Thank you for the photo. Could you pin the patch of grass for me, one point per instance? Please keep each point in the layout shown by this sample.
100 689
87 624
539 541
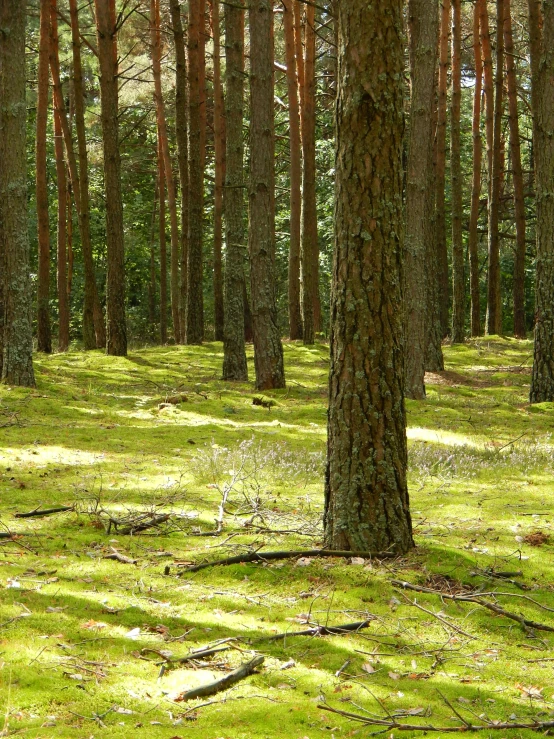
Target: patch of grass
75 627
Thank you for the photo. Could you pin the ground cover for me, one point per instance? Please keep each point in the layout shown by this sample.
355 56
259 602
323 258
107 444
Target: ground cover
82 635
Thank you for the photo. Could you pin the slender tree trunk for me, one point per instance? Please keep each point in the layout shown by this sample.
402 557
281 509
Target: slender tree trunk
517 177
309 258
542 68
69 220
94 327
152 285
488 85
442 252
63 300
155 41
17 364
493 323
219 147
366 494
195 298
295 316
44 334
473 238
458 280
268 350
181 131
423 26
202 35
163 247
115 283
234 354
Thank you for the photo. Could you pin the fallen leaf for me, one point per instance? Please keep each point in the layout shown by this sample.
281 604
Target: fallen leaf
368 667
394 676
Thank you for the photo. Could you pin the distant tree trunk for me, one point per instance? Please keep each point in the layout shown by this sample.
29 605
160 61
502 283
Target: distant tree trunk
115 283
155 42
219 147
488 85
268 350
517 177
94 328
181 131
44 334
542 68
17 364
473 238
442 253
309 258
423 19
152 285
494 305
202 35
458 280
63 298
295 315
70 255
195 304
366 495
234 355
163 248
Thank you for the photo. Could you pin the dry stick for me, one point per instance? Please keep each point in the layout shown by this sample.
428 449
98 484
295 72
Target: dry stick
525 623
393 724
10 534
320 631
37 513
266 556
223 683
119 557
151 523
443 621
192 656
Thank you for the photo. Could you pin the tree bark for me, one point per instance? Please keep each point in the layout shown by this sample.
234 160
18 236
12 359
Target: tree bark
234 354
309 253
458 280
423 18
152 285
219 147
195 299
493 324
70 255
442 252
163 248
94 327
17 363
542 66
181 131
115 283
488 85
473 238
517 178
366 496
155 42
44 333
295 315
63 298
268 350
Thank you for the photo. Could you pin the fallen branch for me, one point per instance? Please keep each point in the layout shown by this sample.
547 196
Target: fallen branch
267 556
320 631
149 523
10 534
245 670
114 554
38 513
390 722
193 655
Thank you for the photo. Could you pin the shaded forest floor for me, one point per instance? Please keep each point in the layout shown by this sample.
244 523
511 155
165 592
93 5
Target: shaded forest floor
82 636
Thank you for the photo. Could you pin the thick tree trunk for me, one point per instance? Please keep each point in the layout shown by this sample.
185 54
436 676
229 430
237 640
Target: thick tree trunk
44 334
163 248
63 297
295 315
234 355
155 42
458 280
517 178
195 299
542 66
423 18
219 147
94 327
115 283
268 350
17 363
442 252
309 254
366 495
473 238
493 323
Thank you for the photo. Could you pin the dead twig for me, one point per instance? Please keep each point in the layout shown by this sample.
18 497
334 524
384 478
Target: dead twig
114 554
245 670
320 631
40 513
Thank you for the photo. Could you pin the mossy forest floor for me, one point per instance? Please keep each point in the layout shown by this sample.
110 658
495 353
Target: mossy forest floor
82 636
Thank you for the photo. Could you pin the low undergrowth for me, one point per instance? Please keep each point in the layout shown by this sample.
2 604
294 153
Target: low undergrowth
92 618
